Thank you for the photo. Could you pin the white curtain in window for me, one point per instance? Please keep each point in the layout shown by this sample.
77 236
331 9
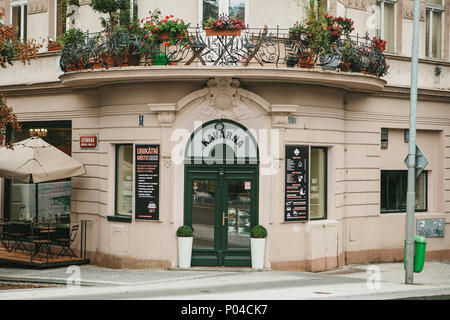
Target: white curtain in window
437 35
389 26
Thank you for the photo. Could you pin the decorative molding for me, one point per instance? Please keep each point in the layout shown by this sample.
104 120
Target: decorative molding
224 99
166 118
279 119
37 6
84 2
357 4
408 10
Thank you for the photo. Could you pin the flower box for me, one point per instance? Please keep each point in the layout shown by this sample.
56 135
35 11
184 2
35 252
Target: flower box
54 46
212 32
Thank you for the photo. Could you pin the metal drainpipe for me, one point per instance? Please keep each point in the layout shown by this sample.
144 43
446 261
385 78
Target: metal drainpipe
411 195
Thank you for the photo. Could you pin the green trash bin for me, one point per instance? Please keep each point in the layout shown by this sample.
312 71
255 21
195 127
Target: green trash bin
420 244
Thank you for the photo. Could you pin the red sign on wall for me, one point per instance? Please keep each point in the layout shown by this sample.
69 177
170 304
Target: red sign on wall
89 142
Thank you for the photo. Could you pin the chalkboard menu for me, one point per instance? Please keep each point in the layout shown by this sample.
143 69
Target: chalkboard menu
147 182
296 187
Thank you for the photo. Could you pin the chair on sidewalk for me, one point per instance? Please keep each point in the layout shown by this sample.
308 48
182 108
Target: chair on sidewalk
66 242
41 240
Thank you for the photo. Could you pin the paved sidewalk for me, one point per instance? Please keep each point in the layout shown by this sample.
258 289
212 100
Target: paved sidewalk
351 282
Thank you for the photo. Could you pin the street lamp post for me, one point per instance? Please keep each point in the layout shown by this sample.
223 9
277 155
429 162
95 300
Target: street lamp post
411 163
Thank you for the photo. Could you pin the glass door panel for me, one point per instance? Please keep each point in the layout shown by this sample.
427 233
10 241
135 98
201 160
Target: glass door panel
203 211
239 213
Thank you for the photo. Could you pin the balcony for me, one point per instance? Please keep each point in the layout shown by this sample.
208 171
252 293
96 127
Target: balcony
252 54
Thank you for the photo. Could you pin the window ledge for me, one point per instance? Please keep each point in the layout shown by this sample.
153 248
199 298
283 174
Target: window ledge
120 219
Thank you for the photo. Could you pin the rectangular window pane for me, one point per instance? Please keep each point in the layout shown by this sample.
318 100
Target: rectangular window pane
389 26
437 35
378 27
237 9
25 16
60 21
16 19
318 180
427 33
210 9
124 179
394 186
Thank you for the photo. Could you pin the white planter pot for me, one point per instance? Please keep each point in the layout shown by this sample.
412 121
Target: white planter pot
258 246
184 251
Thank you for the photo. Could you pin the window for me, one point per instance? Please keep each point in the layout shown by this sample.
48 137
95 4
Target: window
318 183
387 23
384 138
394 186
18 13
434 28
60 21
54 196
236 9
124 179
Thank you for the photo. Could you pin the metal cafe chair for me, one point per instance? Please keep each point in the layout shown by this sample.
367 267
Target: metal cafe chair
66 242
40 238
17 233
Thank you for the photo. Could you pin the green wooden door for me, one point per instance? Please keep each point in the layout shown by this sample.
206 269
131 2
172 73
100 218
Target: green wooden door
221 205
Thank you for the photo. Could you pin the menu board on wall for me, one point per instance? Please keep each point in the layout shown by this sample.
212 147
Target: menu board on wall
296 185
147 182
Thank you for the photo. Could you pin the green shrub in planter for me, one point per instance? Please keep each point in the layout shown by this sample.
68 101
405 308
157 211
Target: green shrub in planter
185 231
258 231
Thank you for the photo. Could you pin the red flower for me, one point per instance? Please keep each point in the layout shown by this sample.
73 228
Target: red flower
167 17
166 43
146 36
187 46
155 28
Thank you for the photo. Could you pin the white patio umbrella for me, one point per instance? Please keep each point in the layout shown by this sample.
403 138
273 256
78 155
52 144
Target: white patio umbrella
33 160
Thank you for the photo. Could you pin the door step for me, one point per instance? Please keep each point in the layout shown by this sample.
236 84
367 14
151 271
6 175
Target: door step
222 269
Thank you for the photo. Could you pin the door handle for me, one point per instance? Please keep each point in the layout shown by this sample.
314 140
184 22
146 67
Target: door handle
225 217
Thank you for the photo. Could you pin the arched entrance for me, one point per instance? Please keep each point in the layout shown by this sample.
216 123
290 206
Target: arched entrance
221 192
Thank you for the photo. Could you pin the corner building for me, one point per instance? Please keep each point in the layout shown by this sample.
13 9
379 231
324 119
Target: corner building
225 147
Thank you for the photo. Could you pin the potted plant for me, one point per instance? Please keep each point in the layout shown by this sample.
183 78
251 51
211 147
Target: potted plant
376 62
291 60
351 57
185 236
72 42
258 236
223 26
299 32
329 55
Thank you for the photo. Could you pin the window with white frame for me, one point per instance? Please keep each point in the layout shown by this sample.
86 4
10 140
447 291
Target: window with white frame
236 9
387 23
434 28
18 17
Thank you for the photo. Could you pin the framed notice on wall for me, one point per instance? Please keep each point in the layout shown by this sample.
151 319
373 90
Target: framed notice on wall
147 182
296 184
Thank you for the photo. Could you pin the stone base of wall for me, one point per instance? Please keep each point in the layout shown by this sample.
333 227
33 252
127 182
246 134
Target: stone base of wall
353 257
118 262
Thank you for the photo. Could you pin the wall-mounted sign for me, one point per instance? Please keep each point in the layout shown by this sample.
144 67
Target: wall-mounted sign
147 182
430 227
89 142
296 185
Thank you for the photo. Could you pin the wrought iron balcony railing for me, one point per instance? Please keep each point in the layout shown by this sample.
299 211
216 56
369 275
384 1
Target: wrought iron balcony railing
261 47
